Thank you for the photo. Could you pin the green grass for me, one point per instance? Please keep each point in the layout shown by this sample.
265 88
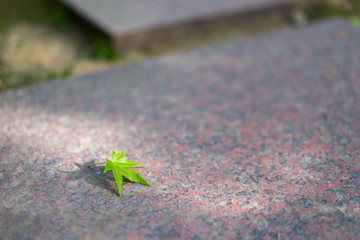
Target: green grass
52 15
100 49
323 10
31 11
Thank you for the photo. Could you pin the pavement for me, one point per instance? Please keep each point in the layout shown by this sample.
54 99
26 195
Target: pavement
143 24
254 139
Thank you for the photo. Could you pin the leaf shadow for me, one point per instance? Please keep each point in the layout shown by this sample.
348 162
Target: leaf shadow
95 176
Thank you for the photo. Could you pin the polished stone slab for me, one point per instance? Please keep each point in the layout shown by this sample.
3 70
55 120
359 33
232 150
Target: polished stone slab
122 16
144 24
251 139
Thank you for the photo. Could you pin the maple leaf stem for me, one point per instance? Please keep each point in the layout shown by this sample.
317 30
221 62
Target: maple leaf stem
95 164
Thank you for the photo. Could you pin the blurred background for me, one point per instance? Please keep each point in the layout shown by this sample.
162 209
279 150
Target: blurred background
42 40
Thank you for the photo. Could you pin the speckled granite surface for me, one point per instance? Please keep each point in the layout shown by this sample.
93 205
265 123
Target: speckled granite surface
120 17
257 139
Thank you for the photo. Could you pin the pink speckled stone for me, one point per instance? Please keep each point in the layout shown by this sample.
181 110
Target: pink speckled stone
256 139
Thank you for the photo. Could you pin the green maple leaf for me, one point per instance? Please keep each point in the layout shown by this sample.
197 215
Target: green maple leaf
122 166
354 20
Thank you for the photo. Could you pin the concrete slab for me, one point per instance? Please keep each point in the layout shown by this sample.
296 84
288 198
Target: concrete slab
121 16
252 139
135 23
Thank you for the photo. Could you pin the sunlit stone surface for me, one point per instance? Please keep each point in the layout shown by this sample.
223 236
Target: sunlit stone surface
252 139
